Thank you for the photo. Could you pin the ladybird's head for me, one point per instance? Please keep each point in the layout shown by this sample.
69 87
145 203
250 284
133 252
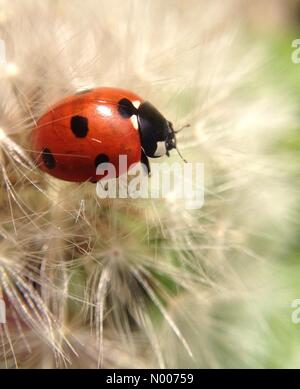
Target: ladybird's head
157 133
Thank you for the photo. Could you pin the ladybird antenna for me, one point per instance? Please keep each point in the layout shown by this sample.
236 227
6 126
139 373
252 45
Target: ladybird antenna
182 128
180 155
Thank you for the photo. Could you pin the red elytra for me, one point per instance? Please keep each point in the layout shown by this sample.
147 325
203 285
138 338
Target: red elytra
83 130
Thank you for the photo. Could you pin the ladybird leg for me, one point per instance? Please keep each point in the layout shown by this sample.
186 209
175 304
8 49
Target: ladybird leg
145 162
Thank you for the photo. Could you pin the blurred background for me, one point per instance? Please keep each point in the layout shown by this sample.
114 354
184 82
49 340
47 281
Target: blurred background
277 24
150 284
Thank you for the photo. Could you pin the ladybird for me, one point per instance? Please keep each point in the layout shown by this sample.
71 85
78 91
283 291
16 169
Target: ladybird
97 126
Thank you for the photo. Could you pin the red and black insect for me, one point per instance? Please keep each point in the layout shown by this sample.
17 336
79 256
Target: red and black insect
96 126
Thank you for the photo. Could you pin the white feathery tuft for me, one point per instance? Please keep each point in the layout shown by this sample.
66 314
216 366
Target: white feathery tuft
133 283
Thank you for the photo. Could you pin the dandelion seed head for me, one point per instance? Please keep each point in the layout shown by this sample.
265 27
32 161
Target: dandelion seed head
11 69
92 282
2 134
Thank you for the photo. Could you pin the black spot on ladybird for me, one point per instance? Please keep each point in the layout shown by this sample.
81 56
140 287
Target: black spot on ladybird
48 159
126 108
101 158
79 126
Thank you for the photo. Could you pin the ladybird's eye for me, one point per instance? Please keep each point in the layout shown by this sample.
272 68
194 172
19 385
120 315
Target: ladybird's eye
126 108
